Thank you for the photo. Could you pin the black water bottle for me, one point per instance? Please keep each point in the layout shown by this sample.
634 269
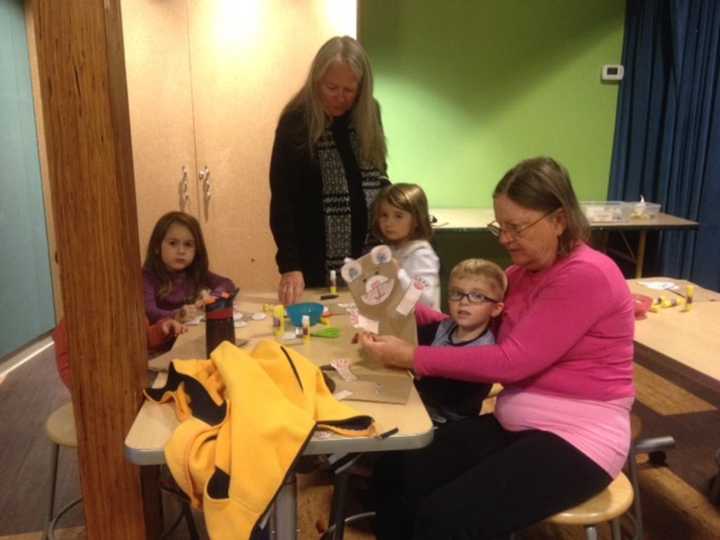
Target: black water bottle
219 324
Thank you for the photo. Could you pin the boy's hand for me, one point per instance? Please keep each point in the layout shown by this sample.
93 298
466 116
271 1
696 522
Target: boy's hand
391 351
171 326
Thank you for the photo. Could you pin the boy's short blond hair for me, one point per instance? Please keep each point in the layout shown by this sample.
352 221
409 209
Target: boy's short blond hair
481 268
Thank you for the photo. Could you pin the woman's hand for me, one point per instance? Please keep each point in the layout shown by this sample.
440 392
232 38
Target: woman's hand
291 288
390 350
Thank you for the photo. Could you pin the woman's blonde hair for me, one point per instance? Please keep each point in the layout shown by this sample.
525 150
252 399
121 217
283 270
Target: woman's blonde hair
482 268
408 197
543 184
365 115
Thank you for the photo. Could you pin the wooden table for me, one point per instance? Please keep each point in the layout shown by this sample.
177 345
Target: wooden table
690 339
476 219
155 423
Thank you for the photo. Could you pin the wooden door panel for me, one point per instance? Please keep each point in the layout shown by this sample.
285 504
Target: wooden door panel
161 111
247 59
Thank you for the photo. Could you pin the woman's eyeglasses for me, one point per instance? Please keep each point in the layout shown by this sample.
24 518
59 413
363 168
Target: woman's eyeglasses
454 295
514 231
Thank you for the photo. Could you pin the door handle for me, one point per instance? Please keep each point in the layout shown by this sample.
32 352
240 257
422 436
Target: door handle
206 186
183 188
204 176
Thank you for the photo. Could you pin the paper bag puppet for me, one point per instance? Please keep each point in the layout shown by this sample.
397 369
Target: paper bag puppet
385 306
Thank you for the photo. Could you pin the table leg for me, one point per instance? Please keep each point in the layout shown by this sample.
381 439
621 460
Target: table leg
640 254
284 518
152 500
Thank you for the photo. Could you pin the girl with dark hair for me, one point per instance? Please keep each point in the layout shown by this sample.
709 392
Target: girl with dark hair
175 273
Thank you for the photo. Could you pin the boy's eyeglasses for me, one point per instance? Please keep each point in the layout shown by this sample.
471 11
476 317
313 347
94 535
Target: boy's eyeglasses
473 297
514 231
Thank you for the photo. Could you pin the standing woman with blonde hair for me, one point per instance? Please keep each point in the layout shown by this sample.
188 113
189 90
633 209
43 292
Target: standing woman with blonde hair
328 165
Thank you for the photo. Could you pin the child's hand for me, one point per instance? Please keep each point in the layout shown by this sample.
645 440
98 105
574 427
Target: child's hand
205 297
389 350
171 326
189 312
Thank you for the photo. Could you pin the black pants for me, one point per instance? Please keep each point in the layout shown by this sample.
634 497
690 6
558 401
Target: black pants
477 481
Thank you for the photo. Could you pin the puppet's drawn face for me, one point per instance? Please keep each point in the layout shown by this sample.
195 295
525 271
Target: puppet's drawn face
372 277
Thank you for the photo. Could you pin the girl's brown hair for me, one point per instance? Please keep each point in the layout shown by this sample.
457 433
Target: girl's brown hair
408 197
197 271
543 184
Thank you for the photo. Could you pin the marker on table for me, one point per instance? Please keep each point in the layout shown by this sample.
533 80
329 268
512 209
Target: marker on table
388 433
333 282
689 293
306 328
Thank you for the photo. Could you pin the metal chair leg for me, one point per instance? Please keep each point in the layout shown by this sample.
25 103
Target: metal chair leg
637 506
53 484
651 446
187 513
591 532
615 525
338 504
61 513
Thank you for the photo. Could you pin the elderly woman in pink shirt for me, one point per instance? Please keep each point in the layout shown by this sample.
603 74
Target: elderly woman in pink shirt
561 428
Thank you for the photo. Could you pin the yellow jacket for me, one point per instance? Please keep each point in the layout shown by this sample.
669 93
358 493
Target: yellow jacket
245 419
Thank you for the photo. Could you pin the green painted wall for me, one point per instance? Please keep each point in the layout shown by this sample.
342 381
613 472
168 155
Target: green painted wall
468 88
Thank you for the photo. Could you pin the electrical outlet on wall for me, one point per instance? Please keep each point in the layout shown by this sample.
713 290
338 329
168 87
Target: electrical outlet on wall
612 72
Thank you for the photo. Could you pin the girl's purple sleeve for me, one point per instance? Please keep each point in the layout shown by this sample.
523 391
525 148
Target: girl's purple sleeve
152 310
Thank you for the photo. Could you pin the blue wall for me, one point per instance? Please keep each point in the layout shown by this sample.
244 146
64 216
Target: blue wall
26 301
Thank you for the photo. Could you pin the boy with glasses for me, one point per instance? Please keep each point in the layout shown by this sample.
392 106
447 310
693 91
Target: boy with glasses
475 298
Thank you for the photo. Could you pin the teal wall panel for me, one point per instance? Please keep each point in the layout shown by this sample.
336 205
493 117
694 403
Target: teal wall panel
25 282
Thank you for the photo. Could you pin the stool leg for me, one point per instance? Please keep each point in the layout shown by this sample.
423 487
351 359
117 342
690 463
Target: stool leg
637 505
615 524
284 516
53 482
591 532
189 521
338 504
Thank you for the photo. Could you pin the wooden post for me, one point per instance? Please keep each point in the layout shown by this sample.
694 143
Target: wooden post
83 89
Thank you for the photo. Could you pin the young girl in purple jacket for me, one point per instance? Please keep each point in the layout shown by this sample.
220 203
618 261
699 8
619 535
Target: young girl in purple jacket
175 273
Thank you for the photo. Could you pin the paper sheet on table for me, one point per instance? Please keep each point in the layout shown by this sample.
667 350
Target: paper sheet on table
383 387
660 285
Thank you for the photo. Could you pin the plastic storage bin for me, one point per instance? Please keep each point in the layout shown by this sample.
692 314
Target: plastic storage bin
605 211
642 210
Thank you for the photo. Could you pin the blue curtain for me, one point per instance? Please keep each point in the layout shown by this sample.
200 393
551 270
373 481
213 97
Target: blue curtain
667 135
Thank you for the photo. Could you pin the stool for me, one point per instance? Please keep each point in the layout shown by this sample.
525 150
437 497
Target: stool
655 448
60 428
608 505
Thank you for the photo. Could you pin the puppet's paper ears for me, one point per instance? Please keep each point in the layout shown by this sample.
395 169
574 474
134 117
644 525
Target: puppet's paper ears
352 269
